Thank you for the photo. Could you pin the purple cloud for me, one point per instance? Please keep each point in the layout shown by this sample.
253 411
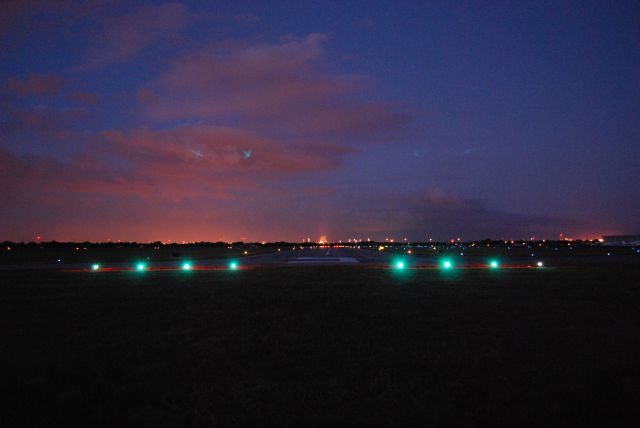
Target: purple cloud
35 84
279 87
125 36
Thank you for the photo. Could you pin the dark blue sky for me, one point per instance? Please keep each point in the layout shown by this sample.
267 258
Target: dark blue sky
195 121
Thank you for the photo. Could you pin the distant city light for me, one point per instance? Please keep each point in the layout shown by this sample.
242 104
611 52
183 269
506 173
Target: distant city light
246 252
539 264
95 266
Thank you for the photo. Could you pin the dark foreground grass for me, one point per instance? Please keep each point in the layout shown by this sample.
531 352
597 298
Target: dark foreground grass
321 346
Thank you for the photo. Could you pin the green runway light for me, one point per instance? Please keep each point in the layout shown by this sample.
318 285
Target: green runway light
95 266
186 266
233 266
140 267
447 264
399 265
494 264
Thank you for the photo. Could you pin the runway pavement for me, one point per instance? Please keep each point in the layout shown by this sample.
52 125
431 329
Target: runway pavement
349 256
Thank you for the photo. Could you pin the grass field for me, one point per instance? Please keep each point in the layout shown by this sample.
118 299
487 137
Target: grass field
320 346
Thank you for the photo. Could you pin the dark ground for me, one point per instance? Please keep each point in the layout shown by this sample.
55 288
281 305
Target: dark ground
322 345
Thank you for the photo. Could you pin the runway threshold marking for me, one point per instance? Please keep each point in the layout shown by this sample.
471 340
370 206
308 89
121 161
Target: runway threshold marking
322 260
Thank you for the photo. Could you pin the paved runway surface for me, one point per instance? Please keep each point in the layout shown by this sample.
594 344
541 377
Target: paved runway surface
299 256
362 257
366 257
319 256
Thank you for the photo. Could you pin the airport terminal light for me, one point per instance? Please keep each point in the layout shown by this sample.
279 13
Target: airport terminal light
186 266
95 266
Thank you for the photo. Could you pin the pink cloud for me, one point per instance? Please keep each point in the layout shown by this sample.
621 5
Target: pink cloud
276 87
165 197
218 148
13 10
436 197
28 125
35 84
173 164
126 35
85 97
319 191
146 96
187 178
56 125
231 78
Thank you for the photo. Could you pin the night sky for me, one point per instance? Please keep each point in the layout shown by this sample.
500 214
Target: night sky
256 120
